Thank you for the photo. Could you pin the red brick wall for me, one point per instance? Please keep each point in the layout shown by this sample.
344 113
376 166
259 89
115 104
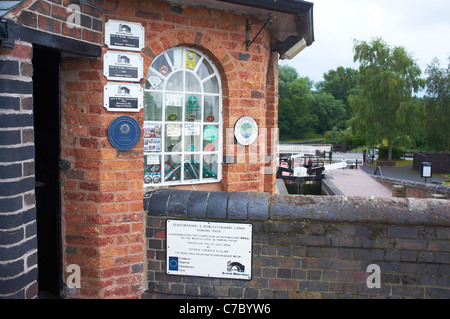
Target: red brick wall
311 247
52 16
247 90
102 191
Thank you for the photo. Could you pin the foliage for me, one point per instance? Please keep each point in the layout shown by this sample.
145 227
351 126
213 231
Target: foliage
383 152
329 111
304 112
382 105
338 136
437 107
339 83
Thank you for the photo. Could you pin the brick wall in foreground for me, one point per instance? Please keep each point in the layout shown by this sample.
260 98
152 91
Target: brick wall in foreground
312 247
18 240
415 189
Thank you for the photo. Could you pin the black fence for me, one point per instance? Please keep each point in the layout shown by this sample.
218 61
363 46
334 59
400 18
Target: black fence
440 161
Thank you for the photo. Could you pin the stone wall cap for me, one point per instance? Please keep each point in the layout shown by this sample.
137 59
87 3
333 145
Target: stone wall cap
263 206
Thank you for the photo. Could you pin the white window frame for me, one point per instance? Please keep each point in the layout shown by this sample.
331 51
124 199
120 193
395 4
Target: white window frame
202 123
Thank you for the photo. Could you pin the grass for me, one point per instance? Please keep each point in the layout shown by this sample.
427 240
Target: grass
398 163
447 182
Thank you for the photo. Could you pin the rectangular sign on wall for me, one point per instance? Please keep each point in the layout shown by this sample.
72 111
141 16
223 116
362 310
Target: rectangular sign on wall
124 35
209 249
120 66
122 97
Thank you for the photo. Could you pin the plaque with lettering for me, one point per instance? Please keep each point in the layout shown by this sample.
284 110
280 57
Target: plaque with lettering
120 66
123 97
124 35
124 133
209 249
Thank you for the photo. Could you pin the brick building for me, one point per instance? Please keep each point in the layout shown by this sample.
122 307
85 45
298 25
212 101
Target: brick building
67 194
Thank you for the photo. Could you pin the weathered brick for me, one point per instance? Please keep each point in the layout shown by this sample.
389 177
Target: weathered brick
411 244
407 291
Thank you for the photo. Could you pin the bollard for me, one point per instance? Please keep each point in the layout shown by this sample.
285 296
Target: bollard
398 191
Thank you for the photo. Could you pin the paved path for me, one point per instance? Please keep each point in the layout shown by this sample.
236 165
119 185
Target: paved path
403 172
355 182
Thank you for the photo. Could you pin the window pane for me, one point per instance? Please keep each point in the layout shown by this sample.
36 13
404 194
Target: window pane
191 59
192 138
193 107
192 167
175 82
152 144
172 168
173 138
174 107
154 81
210 166
152 169
161 65
176 57
152 138
205 69
211 86
153 106
211 109
210 138
152 130
192 84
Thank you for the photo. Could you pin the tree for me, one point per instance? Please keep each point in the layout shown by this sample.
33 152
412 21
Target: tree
286 74
387 77
329 111
437 106
294 117
302 111
339 83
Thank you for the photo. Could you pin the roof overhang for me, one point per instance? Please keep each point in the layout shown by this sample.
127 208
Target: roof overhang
292 20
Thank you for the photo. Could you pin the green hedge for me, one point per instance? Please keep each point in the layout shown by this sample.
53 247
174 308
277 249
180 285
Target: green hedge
383 152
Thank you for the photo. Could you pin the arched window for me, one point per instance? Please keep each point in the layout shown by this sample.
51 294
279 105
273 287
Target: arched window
183 119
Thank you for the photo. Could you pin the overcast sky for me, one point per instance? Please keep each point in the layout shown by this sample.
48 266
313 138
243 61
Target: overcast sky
422 27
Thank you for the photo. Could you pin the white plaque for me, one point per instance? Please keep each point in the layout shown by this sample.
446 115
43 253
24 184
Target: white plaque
124 35
123 97
209 249
121 66
246 130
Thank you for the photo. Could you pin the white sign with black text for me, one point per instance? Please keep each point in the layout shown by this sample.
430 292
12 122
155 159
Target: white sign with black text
121 66
123 97
209 249
124 35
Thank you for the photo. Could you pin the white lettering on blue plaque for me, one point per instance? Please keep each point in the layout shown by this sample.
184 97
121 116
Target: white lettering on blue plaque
124 133
124 35
123 97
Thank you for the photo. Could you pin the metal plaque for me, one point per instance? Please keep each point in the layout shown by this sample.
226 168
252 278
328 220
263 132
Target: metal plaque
124 35
124 133
246 130
209 249
123 97
120 66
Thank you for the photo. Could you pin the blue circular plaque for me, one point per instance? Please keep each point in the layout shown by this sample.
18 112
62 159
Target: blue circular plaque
124 133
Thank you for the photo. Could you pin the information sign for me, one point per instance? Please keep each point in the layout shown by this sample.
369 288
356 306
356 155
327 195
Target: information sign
122 97
124 35
120 66
209 249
